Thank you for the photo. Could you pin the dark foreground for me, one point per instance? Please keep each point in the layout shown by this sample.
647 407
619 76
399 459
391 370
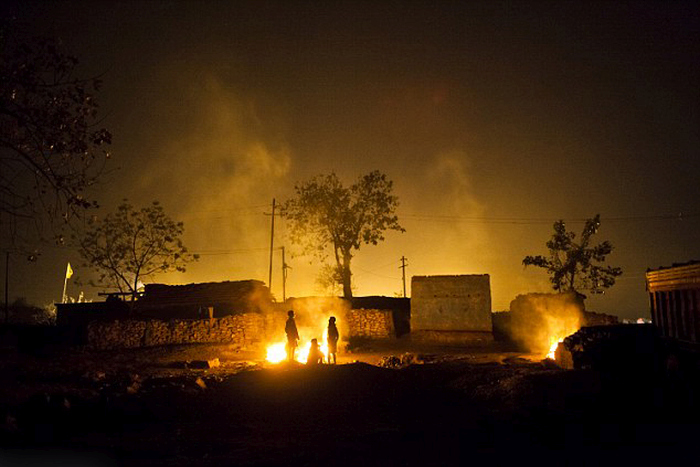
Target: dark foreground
450 411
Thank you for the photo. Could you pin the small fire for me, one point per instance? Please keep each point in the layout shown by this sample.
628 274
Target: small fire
553 348
277 352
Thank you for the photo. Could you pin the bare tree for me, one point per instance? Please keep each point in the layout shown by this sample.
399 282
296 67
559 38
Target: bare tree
129 246
51 145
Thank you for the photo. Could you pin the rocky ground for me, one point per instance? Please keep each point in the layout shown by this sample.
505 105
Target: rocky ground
379 406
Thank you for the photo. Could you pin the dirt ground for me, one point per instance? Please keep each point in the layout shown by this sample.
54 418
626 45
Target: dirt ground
442 406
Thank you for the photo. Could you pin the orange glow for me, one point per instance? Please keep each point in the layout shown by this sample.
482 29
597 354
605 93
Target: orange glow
277 352
559 329
553 348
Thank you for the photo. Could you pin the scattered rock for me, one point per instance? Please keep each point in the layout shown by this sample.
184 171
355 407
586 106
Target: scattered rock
204 364
393 361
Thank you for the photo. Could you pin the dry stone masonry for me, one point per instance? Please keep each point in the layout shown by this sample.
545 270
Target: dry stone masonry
242 331
372 324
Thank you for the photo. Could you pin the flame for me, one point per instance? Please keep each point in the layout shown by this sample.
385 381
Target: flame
557 329
553 348
277 352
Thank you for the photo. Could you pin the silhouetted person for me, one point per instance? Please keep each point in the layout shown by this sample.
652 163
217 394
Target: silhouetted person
333 337
290 328
315 355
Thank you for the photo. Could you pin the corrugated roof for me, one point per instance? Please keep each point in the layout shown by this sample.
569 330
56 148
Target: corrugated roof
677 277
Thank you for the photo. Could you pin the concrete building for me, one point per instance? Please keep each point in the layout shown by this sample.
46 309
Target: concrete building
674 299
451 309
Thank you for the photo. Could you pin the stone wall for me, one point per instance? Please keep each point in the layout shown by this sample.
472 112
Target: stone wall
370 324
242 331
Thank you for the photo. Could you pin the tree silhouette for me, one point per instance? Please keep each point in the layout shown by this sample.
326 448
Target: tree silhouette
573 266
51 145
325 215
129 246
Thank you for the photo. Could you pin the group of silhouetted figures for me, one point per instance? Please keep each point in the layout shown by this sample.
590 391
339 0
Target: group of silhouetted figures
316 356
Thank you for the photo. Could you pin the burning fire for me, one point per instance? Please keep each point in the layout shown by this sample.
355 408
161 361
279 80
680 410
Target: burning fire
557 329
277 352
553 348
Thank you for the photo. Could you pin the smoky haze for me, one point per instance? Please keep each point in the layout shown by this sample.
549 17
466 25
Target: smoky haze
493 121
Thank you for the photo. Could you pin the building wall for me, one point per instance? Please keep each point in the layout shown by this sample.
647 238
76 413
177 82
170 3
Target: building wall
451 303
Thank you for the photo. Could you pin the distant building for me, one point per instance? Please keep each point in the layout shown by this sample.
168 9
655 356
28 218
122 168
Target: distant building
451 309
674 299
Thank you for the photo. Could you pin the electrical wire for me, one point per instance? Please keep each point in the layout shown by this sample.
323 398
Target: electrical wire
534 221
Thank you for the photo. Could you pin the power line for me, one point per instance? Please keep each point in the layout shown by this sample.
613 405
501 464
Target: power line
255 207
533 221
229 252
374 274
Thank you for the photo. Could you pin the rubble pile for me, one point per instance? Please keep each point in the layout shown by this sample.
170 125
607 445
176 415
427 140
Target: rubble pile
615 348
399 361
591 318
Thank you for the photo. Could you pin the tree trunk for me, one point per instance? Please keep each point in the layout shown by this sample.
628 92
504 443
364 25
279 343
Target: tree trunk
347 275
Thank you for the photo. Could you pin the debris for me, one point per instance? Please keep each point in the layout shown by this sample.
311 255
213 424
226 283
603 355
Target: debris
200 382
95 376
396 362
204 364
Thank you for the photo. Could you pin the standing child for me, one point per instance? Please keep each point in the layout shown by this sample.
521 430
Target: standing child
290 328
333 337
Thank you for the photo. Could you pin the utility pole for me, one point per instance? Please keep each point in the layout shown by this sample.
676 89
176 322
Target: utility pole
272 244
7 285
285 266
403 274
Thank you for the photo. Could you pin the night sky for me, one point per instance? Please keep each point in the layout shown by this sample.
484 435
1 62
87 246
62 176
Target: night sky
493 119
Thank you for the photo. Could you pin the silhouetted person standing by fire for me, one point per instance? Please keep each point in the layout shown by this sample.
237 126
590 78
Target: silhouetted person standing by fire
290 328
315 355
333 337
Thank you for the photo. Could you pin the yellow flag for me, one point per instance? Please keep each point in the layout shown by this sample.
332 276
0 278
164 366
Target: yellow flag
69 271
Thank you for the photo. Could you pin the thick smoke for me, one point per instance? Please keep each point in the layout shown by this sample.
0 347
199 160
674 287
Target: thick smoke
539 320
216 168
